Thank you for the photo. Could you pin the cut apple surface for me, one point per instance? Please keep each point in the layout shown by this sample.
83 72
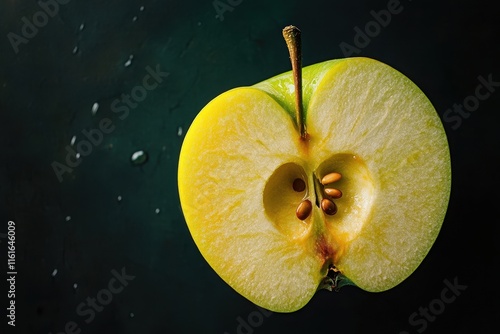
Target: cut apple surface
364 194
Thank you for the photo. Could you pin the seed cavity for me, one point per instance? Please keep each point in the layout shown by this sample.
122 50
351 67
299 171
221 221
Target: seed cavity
331 178
325 195
328 207
333 192
304 209
299 185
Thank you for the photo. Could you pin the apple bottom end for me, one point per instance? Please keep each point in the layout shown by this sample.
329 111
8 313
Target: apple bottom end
334 281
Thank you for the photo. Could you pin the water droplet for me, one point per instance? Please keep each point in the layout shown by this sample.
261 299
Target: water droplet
141 8
199 24
75 286
157 211
119 198
179 131
129 61
77 155
75 50
139 157
54 273
95 107
68 218
134 19
73 140
82 26
132 315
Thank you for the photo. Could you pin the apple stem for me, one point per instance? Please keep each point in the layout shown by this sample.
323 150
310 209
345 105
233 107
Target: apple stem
294 44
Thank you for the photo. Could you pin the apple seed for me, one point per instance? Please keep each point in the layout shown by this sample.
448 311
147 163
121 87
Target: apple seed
330 178
304 209
328 207
333 192
299 185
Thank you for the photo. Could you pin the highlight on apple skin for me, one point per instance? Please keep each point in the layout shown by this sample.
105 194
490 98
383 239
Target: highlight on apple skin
336 173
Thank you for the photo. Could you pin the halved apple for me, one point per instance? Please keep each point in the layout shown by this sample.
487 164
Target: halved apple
361 194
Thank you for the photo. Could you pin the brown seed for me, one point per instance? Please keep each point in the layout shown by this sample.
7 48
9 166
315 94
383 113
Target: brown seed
299 185
328 207
304 209
330 178
333 192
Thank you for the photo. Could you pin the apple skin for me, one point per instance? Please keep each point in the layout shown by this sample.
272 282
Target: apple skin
281 87
279 266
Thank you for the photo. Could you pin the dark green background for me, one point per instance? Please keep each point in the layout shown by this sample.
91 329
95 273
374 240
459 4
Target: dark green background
46 96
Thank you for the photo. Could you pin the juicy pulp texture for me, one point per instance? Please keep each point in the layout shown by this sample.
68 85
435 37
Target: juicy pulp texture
366 121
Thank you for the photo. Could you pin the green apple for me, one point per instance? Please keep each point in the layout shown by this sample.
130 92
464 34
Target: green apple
331 174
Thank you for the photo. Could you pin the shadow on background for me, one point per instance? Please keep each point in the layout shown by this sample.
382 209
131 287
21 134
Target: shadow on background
101 243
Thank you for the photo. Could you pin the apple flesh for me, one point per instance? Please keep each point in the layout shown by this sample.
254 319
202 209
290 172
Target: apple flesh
242 156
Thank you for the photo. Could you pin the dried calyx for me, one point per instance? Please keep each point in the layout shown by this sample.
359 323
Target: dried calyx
334 280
